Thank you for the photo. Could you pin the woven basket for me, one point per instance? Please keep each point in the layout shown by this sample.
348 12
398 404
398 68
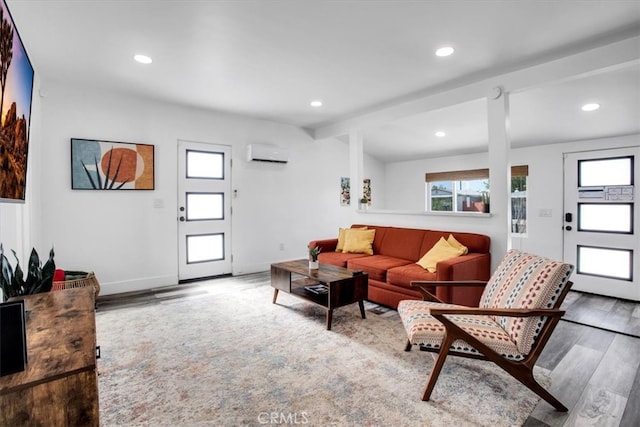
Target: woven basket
90 280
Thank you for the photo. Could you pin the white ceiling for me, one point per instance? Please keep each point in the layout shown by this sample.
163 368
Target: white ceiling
269 59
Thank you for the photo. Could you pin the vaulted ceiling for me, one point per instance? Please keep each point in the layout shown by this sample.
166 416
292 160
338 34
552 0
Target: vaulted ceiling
270 59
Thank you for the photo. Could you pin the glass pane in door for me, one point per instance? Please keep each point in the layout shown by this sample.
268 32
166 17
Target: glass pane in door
605 262
599 172
605 217
205 247
205 206
205 164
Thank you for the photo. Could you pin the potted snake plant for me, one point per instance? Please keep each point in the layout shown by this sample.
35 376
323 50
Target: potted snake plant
313 257
39 277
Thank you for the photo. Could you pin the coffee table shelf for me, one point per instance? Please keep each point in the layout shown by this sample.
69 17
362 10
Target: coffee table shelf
344 286
298 287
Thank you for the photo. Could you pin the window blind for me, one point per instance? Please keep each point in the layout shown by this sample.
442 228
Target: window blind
466 175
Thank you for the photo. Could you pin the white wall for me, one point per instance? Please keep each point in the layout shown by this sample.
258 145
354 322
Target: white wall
404 186
544 191
406 180
130 244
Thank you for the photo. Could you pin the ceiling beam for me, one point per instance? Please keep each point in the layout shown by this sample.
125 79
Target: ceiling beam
587 62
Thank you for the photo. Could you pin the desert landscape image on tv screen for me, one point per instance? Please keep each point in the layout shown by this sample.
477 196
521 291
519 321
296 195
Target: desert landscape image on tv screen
16 86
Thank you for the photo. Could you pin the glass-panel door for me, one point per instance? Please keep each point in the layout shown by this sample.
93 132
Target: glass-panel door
601 217
204 230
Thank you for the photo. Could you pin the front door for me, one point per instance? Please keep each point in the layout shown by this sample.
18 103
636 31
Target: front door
204 210
601 220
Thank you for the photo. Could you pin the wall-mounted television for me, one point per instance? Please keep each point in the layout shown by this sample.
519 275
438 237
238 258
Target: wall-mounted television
16 88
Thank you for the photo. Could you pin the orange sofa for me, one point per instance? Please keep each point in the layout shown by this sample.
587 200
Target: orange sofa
393 266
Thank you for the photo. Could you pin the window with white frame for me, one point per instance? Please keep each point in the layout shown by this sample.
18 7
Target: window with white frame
469 191
458 191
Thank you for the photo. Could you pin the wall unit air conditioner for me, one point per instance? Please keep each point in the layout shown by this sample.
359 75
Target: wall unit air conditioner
267 153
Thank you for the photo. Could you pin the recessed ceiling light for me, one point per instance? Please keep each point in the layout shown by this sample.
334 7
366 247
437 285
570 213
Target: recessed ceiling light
143 59
445 51
440 134
316 103
590 107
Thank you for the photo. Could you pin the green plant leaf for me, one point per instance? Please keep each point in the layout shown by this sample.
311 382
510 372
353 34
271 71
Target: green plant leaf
48 270
18 284
34 273
6 275
34 262
39 279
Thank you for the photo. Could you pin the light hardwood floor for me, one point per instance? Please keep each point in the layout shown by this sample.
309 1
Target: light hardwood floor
594 359
594 369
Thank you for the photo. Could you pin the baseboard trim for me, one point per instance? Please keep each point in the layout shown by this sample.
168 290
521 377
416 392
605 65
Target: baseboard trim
137 285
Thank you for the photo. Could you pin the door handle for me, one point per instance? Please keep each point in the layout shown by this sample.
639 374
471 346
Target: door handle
181 218
568 228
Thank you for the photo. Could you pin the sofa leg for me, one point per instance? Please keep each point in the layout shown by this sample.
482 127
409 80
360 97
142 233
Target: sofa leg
408 346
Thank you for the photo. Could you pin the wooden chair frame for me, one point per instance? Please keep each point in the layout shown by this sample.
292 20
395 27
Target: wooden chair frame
521 370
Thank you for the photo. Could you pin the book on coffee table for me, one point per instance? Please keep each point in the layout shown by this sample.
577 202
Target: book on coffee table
319 289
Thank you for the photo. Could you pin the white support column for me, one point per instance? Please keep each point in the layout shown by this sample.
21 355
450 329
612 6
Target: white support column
499 172
356 166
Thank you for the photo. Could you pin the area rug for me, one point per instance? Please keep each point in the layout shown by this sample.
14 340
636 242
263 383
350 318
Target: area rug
231 357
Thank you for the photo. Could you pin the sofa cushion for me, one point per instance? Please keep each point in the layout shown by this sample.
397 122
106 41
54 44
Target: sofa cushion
404 243
358 241
439 252
338 259
376 266
426 331
403 275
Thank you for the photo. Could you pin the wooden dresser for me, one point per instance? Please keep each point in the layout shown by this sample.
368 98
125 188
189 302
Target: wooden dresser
60 385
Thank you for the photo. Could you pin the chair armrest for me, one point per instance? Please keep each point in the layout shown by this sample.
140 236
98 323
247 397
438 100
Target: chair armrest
507 312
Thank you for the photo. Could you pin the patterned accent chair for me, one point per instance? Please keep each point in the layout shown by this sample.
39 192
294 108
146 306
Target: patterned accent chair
518 311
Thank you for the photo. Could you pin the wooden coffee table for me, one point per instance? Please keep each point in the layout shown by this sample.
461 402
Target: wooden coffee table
344 286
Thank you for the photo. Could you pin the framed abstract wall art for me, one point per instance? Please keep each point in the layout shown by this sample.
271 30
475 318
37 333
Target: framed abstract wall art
345 191
107 165
366 190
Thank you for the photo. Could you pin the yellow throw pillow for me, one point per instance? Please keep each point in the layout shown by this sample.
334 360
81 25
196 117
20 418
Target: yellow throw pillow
358 241
341 237
439 252
340 244
453 242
